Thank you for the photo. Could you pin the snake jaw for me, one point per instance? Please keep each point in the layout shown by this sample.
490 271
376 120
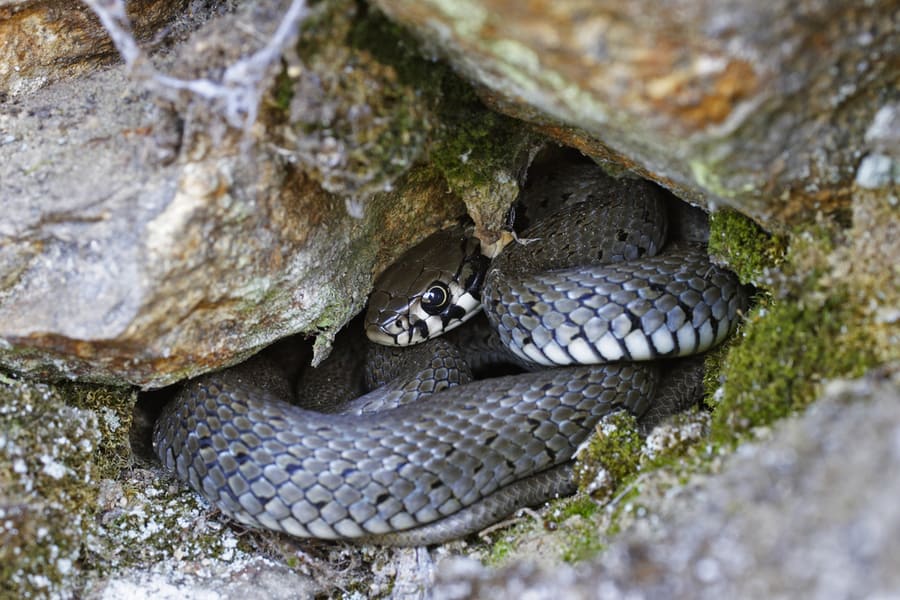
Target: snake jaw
386 332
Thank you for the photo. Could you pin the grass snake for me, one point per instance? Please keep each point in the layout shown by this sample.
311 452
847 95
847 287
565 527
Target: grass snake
594 290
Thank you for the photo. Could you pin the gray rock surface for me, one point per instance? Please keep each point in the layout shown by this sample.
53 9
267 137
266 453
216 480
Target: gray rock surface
150 234
809 511
121 267
736 103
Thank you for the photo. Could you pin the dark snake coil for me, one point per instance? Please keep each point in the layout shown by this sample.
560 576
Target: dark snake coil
467 456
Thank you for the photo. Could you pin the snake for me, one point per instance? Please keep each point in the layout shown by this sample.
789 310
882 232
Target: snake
589 300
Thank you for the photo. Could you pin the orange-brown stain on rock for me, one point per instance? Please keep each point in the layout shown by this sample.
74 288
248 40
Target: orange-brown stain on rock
701 99
301 206
420 203
800 206
48 40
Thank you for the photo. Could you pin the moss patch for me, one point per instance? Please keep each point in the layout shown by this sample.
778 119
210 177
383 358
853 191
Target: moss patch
582 525
825 308
371 105
807 329
471 146
352 120
610 458
476 146
744 246
113 408
282 93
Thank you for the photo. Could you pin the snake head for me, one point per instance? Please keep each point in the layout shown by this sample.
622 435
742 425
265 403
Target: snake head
434 287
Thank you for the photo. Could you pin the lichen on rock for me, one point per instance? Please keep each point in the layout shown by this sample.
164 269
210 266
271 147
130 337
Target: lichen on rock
56 446
704 98
213 238
358 127
610 457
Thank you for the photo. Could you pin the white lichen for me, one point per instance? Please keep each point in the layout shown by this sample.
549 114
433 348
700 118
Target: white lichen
602 482
676 435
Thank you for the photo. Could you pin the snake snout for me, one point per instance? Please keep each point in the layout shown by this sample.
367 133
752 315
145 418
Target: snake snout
386 327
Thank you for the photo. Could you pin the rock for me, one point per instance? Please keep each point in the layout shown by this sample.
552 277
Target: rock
56 446
148 237
248 577
44 41
737 103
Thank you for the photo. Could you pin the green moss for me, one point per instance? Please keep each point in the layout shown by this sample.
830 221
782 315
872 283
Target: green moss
469 145
790 346
114 410
477 145
611 457
499 551
806 330
472 143
613 471
576 519
812 321
283 91
714 361
394 45
805 326
356 124
744 246
578 505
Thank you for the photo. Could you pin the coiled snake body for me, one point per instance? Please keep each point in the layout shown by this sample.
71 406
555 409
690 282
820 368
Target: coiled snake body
468 455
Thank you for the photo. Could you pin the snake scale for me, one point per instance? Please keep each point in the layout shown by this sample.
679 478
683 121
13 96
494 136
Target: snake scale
465 457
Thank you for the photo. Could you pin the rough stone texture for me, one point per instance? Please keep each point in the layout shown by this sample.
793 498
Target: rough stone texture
761 106
56 444
117 271
247 577
811 512
48 40
145 238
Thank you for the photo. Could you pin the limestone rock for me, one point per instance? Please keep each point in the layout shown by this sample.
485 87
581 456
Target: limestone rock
44 41
119 268
153 230
761 106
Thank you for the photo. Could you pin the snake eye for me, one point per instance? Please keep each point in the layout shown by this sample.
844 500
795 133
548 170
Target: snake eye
435 298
